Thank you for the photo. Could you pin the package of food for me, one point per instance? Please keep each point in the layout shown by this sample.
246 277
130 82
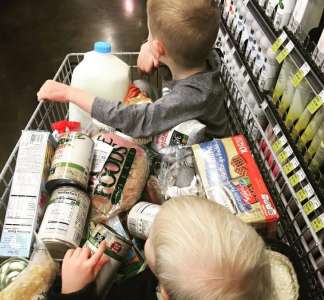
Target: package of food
231 178
34 282
136 96
28 195
177 175
119 184
187 133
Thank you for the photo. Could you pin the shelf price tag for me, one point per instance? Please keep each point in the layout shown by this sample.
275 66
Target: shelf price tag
285 52
306 192
284 154
279 41
277 146
300 75
290 166
316 103
297 178
318 223
311 205
276 129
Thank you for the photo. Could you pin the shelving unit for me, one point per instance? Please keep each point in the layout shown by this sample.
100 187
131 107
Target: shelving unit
294 183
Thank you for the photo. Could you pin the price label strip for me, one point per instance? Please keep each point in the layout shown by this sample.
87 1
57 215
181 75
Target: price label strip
284 154
279 41
316 103
290 166
311 206
264 105
285 52
277 146
318 223
300 75
305 193
297 178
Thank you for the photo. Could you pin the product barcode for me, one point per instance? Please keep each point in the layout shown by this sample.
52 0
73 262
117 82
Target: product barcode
36 138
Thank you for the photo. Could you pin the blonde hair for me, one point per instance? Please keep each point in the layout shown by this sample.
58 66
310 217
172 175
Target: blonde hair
188 29
203 252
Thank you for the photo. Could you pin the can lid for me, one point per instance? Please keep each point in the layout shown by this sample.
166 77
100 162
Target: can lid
102 47
117 234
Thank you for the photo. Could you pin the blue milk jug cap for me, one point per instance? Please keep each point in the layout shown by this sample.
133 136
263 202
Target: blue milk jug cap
102 47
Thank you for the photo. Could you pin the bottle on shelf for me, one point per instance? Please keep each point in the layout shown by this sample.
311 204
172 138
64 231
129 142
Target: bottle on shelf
303 122
258 64
246 40
239 28
317 162
288 93
283 13
313 37
315 144
311 130
253 54
286 69
271 7
262 3
230 17
302 96
318 55
226 10
269 70
306 15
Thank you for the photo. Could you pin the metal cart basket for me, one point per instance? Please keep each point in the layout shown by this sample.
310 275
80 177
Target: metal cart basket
242 121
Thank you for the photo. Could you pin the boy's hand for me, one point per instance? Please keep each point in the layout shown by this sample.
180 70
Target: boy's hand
80 268
54 91
146 61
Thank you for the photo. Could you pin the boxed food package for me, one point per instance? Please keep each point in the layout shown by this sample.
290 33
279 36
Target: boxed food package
28 195
231 178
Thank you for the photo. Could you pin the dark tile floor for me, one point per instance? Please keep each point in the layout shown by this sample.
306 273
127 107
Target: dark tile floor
36 36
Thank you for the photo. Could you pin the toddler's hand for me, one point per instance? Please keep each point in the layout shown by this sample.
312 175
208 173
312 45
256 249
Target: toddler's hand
54 91
146 61
80 268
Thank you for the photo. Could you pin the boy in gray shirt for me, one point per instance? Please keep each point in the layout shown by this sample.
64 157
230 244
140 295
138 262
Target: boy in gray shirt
181 36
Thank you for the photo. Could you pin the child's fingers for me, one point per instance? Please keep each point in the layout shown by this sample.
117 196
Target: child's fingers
85 253
68 254
103 260
95 258
77 252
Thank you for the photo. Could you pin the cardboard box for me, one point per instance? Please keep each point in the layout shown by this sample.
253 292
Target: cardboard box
231 178
28 195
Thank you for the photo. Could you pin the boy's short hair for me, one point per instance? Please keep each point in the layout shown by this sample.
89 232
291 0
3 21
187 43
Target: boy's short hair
188 29
204 252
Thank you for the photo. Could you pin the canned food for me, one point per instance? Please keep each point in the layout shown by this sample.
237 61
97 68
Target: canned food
141 218
64 220
117 248
72 161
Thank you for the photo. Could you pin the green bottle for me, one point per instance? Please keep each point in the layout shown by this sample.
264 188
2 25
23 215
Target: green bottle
314 146
317 161
302 96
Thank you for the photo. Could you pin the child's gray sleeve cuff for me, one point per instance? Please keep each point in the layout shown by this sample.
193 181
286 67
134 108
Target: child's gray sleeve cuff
99 109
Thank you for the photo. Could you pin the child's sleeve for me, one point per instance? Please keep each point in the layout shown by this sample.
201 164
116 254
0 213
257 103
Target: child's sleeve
85 294
149 119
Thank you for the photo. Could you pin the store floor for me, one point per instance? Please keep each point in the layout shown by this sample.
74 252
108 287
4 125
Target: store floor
36 36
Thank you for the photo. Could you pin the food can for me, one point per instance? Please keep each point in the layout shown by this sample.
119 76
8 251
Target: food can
141 218
117 248
64 220
72 161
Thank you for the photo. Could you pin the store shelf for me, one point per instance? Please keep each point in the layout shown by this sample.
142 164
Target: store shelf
295 228
298 55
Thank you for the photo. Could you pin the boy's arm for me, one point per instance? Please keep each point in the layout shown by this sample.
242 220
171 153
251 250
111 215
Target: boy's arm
149 119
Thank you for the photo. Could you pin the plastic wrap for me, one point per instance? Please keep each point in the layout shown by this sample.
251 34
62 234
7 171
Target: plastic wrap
177 175
119 185
35 280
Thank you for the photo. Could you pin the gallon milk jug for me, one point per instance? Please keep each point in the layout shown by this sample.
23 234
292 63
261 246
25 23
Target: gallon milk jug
101 74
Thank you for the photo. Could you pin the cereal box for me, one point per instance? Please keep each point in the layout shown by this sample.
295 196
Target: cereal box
231 178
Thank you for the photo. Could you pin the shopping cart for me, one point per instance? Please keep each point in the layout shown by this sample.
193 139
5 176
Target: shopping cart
48 112
242 120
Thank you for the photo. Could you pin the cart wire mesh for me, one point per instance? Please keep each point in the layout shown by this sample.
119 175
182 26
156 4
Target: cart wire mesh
48 112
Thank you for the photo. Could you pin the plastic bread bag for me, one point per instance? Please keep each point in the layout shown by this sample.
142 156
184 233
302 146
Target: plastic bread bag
34 282
187 133
117 184
177 175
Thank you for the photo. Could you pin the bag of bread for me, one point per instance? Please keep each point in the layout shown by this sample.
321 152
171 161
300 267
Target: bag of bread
119 184
34 282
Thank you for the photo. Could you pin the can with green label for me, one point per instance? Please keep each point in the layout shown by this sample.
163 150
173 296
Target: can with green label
117 248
